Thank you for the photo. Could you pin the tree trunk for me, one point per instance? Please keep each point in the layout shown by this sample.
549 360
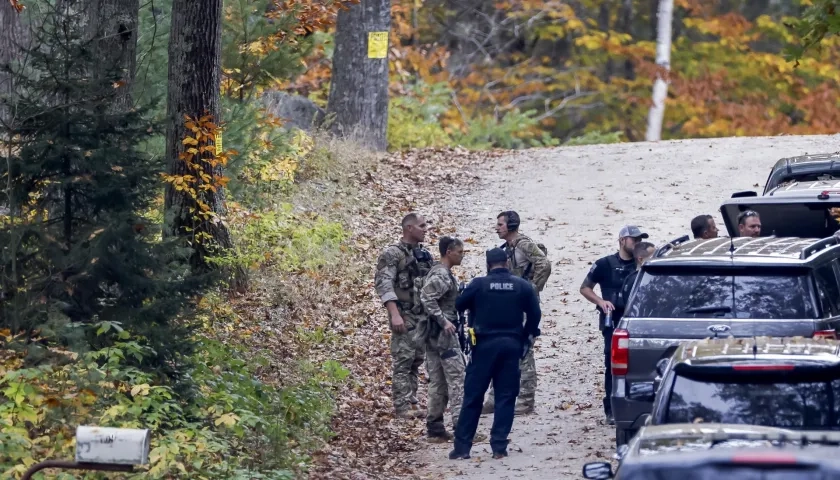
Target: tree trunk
627 27
194 75
604 26
113 26
359 88
13 41
663 61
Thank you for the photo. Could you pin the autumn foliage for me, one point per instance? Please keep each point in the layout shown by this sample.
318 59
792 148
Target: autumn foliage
585 66
203 158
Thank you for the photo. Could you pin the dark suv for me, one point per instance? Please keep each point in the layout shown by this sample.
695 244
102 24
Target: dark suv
740 287
791 383
723 452
804 168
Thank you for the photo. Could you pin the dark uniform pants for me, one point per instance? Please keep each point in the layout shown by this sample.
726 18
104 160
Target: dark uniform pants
494 359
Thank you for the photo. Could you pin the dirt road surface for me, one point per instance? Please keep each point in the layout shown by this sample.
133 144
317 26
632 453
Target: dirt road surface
575 200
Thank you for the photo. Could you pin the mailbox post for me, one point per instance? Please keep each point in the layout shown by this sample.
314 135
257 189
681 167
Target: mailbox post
105 449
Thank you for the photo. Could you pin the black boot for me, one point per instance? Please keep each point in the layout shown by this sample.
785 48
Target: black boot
454 455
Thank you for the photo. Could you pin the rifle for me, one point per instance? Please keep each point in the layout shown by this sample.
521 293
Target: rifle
461 327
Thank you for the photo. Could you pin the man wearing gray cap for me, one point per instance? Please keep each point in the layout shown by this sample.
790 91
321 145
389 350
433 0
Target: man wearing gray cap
498 304
609 272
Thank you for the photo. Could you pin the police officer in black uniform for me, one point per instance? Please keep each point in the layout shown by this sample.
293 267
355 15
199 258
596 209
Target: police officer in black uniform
609 272
496 303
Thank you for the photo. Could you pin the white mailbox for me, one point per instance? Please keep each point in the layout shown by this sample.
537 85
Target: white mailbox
117 446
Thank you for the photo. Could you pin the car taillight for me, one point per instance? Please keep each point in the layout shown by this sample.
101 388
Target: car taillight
826 334
773 458
620 351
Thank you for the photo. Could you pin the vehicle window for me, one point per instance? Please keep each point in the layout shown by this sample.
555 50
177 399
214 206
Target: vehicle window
827 290
677 294
767 402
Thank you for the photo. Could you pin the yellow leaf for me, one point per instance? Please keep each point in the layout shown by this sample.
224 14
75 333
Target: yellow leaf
97 232
228 419
140 390
117 168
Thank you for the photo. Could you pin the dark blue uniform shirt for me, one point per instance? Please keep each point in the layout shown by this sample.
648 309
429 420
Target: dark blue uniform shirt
497 302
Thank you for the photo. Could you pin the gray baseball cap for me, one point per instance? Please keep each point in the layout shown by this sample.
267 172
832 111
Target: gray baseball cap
631 231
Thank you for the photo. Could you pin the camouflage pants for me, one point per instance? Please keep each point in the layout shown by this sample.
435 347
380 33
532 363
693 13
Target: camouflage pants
406 359
446 366
527 381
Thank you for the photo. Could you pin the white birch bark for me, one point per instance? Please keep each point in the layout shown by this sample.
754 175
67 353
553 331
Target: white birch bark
663 61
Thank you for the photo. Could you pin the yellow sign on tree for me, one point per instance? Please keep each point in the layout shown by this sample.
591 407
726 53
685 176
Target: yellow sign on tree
377 44
218 142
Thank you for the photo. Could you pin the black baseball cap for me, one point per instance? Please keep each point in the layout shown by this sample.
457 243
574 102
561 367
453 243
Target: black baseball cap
496 255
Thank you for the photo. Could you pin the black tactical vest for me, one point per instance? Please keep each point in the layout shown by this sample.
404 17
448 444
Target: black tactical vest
618 273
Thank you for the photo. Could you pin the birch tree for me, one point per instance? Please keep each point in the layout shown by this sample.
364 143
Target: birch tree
663 61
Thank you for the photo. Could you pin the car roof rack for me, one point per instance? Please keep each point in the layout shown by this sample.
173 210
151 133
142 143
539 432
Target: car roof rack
819 245
668 246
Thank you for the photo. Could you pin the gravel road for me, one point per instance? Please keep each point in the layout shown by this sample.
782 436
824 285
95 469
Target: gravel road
575 199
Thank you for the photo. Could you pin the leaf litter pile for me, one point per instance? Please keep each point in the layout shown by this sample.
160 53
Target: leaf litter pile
370 197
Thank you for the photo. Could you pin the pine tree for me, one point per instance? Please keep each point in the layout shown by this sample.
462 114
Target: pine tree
79 247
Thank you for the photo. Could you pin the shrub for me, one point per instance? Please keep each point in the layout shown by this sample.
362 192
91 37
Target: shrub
595 137
235 427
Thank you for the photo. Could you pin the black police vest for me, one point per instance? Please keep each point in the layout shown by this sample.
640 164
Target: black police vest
498 305
618 273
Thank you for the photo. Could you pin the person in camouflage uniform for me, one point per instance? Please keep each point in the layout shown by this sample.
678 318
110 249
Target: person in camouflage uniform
527 260
396 270
444 359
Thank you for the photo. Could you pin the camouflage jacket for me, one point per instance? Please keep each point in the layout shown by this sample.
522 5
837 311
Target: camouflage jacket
524 253
397 267
440 289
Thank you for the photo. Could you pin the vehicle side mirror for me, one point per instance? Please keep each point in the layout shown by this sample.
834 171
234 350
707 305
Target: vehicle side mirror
598 470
